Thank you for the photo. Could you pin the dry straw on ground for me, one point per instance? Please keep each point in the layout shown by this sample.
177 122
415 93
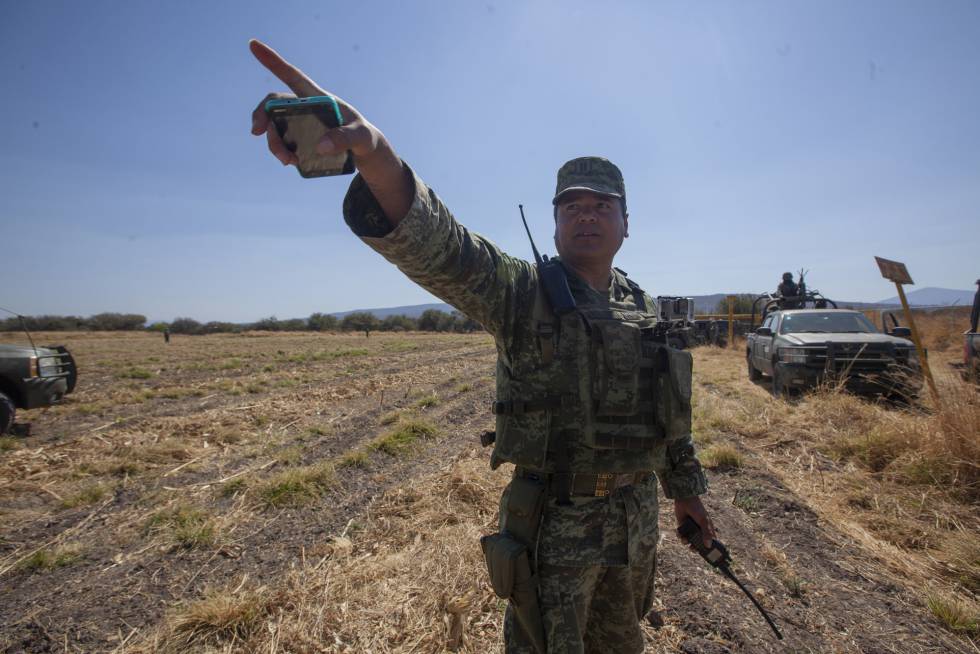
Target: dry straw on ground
409 578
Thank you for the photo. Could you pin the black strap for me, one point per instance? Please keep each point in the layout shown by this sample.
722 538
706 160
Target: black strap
624 442
561 481
638 298
519 407
638 419
546 341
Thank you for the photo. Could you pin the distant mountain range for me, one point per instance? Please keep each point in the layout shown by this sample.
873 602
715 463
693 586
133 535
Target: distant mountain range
931 296
709 303
412 311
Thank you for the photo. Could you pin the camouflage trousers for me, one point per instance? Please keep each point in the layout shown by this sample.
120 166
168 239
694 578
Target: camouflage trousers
596 563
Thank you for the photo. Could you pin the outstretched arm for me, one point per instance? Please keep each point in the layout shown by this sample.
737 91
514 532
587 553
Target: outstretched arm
388 178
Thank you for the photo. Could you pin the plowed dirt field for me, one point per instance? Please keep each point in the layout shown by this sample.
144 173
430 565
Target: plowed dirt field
325 493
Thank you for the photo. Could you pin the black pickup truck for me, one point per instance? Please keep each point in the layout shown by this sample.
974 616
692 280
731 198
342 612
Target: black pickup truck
800 348
33 377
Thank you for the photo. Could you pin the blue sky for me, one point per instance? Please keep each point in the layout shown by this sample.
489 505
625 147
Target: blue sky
755 137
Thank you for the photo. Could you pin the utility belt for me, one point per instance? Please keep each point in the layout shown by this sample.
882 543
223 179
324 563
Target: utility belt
582 484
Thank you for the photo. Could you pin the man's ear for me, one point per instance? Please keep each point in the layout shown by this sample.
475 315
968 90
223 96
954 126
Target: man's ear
626 225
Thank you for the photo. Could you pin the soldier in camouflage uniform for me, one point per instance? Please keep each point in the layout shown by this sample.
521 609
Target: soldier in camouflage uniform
590 411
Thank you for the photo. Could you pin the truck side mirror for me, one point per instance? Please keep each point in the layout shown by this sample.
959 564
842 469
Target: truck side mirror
901 332
763 331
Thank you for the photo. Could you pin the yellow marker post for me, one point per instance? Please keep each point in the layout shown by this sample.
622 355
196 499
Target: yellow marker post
897 272
731 321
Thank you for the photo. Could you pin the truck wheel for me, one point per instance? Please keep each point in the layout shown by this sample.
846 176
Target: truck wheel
754 374
7 411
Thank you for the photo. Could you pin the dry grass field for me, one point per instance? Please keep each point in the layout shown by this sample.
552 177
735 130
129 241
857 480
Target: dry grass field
326 493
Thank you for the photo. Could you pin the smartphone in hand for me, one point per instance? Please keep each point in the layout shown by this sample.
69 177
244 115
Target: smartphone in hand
301 123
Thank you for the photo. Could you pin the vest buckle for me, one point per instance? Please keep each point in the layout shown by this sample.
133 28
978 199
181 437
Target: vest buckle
602 483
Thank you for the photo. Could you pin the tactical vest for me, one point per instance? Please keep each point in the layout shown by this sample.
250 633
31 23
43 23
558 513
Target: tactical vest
598 392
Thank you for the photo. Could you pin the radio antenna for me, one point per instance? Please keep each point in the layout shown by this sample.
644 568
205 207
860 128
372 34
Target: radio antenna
537 257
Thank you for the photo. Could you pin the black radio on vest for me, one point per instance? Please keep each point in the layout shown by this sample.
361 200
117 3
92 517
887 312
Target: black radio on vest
552 277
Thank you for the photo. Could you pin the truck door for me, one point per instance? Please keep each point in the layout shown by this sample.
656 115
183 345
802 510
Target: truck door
763 347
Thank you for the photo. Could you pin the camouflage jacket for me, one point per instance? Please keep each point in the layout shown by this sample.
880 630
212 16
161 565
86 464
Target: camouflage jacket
499 291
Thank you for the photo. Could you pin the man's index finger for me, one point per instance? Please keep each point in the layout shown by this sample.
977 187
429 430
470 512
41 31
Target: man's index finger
291 76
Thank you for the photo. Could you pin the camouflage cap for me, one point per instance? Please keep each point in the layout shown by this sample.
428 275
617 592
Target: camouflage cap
590 174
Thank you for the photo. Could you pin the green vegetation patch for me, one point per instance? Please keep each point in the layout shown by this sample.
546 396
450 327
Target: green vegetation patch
874 451
328 355
8 443
88 495
184 526
746 501
404 437
89 408
354 459
232 487
720 457
135 373
428 401
400 346
956 615
49 559
390 418
290 455
297 486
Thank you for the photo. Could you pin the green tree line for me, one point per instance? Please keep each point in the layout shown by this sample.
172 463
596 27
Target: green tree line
431 320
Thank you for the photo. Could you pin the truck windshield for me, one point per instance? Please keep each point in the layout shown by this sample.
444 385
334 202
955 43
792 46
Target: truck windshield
829 322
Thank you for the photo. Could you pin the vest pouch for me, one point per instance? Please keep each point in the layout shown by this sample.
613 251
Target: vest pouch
617 369
522 439
512 578
674 386
502 554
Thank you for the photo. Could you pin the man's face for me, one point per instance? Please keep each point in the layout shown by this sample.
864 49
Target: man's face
589 227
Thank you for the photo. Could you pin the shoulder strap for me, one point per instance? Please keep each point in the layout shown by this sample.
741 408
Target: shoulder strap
545 324
638 295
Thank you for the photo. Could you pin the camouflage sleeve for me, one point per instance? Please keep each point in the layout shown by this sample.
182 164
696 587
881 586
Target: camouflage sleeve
682 475
459 266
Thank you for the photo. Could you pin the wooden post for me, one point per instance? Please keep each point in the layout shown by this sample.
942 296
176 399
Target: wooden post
896 271
731 321
923 361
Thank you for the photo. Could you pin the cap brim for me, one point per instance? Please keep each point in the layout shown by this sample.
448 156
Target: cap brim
600 191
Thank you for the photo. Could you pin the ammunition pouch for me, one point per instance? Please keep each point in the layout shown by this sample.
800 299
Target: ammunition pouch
509 554
674 396
521 509
509 567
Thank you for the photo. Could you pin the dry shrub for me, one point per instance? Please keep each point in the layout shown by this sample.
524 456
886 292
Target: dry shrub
902 479
219 618
941 329
909 446
956 614
962 551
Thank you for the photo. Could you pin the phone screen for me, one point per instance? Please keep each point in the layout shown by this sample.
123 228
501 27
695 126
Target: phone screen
301 126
